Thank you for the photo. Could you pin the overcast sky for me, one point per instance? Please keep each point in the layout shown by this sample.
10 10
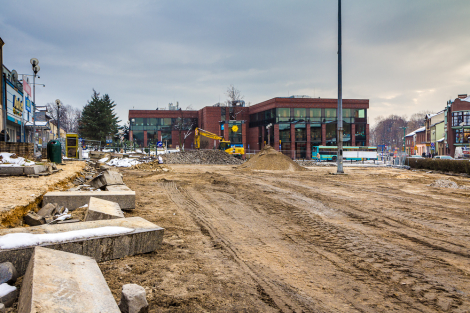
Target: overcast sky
403 55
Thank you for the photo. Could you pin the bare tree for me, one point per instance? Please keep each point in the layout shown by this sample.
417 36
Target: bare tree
417 120
185 125
233 96
69 116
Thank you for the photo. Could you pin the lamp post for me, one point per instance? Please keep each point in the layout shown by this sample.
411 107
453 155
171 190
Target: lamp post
57 102
36 68
340 97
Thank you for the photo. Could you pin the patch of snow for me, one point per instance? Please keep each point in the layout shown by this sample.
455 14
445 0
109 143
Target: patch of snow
19 161
124 162
19 240
83 206
103 160
6 289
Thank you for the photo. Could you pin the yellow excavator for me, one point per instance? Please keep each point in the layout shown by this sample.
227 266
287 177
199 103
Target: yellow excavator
223 145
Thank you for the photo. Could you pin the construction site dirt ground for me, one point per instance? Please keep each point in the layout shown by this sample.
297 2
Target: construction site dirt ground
374 240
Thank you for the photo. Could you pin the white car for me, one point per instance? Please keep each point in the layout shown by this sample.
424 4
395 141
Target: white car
443 157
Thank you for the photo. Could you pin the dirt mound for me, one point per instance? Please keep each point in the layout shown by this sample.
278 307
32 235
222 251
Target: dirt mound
270 159
200 157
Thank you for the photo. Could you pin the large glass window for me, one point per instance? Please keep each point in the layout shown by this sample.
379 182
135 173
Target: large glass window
331 134
315 115
300 132
300 150
285 148
138 137
283 114
284 132
166 138
346 134
300 115
315 134
330 115
223 114
461 117
166 121
360 134
235 133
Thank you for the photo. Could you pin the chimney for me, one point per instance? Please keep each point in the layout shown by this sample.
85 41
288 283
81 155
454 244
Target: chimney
462 96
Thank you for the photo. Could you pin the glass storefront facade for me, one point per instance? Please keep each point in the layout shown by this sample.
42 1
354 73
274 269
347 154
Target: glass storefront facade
152 125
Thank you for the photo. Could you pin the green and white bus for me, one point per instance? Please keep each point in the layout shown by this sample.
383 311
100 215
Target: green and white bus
329 153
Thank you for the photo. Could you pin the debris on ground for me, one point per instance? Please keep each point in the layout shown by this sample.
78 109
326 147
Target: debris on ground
270 159
133 299
446 183
201 157
308 163
153 166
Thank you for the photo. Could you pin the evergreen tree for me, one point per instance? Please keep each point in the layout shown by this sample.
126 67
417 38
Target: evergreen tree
98 118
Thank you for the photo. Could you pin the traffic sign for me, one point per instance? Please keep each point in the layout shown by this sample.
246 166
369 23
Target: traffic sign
159 144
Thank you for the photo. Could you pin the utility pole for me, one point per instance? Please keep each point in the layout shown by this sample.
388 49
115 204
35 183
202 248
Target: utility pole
340 98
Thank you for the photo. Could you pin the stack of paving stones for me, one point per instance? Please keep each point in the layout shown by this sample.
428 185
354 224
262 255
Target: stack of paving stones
62 275
201 157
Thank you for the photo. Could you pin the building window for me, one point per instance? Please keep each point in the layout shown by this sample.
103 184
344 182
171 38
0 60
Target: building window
235 137
360 133
462 135
347 134
300 132
315 115
138 137
284 132
461 117
330 115
283 114
315 134
300 115
223 114
331 134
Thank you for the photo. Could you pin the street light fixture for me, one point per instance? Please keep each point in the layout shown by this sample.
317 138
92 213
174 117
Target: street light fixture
57 102
36 68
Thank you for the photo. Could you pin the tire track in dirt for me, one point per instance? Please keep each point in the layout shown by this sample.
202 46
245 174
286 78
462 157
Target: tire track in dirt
269 292
396 263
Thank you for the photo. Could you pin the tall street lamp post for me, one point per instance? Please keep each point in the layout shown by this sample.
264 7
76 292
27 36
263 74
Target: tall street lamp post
340 97
57 102
36 68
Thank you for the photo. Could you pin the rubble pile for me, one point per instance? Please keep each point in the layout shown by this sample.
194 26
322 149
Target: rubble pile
270 159
446 183
307 163
201 157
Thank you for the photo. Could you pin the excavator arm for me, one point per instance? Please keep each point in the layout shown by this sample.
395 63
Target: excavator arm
198 132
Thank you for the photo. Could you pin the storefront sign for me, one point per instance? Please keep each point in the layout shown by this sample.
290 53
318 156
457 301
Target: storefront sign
17 106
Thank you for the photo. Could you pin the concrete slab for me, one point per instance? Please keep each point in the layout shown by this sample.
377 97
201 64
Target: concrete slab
118 188
35 169
22 170
145 237
99 209
57 281
75 199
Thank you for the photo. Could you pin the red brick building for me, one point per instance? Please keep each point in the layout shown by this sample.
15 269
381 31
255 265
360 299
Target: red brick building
457 127
292 125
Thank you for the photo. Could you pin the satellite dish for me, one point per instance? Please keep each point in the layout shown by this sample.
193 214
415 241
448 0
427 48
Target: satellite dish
14 76
57 102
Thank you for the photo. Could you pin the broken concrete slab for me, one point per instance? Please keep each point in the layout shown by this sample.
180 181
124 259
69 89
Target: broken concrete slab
75 199
118 188
33 219
48 210
143 237
99 209
58 281
22 170
107 178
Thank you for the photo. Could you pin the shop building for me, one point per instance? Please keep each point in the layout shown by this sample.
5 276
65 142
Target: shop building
291 125
457 124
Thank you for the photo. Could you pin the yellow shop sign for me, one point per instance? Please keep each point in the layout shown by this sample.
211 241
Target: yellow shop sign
17 106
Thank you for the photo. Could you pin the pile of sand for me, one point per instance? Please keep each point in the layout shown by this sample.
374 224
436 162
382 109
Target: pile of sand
270 159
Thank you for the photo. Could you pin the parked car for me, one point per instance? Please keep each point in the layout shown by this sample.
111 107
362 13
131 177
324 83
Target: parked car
443 157
415 156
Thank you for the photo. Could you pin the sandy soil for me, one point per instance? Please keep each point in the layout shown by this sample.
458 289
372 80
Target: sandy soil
374 240
20 194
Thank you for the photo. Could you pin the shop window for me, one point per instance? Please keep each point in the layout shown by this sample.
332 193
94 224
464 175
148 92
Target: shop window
138 137
285 148
283 114
360 133
462 135
300 150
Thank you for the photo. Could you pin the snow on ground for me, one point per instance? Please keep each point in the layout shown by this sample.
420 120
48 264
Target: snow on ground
18 240
6 289
125 162
7 161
